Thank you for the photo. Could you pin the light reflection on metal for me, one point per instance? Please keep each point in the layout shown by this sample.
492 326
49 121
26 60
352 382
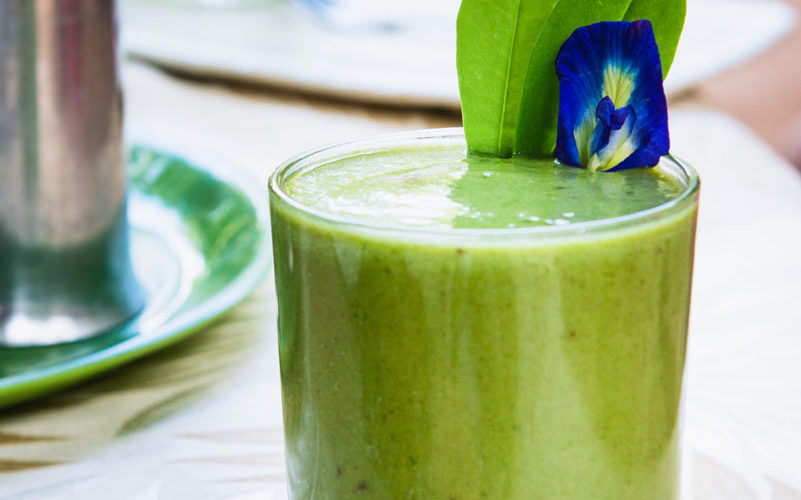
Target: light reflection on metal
65 270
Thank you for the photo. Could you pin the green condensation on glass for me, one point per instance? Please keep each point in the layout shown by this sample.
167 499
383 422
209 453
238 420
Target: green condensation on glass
226 226
445 188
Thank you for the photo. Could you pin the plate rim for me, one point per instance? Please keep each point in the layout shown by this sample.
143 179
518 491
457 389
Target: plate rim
35 383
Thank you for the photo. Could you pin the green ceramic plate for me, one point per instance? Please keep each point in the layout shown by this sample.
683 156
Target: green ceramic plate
199 244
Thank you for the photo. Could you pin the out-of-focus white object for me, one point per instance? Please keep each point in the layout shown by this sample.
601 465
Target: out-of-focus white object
378 15
398 53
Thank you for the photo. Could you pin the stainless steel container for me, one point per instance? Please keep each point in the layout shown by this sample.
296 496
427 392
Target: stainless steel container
65 267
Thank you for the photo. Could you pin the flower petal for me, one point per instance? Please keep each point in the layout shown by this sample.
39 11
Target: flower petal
612 106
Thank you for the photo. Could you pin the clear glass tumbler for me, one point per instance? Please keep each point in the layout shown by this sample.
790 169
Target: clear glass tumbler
460 364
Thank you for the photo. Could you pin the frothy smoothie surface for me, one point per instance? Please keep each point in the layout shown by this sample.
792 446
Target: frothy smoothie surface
444 188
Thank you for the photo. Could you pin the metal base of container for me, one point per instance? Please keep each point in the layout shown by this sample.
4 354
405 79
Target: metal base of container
54 295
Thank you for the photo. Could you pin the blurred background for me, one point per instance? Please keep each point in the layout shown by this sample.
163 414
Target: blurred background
739 56
242 85
765 93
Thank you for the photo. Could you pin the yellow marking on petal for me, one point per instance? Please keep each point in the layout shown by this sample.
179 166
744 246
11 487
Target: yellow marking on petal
618 85
583 134
621 145
623 151
595 164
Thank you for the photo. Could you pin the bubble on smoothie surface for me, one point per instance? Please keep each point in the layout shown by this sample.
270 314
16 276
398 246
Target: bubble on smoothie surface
443 187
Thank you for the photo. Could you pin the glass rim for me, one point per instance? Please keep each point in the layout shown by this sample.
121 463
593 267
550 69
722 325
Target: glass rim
455 135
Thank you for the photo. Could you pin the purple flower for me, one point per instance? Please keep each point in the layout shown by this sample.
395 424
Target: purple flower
612 106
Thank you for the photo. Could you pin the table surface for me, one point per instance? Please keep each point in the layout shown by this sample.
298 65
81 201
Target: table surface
201 420
275 43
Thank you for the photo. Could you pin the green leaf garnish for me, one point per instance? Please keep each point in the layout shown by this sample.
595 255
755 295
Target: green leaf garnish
539 109
505 55
494 42
667 18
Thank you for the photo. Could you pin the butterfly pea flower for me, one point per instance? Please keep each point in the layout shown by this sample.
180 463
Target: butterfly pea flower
612 106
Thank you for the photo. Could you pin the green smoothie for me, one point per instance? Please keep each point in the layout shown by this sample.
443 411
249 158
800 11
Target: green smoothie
457 328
